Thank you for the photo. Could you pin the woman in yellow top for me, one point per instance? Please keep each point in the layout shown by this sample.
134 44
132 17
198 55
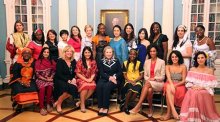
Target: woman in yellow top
133 74
17 41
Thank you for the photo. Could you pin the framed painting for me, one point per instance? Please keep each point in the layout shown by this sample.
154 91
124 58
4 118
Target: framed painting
114 17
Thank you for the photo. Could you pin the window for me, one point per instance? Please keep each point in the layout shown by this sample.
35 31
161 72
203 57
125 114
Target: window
31 13
206 13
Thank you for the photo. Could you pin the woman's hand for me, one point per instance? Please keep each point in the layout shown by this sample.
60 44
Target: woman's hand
172 87
112 79
73 81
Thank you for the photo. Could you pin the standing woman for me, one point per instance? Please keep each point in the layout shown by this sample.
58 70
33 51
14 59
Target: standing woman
129 36
75 41
119 45
183 44
37 43
154 75
17 41
143 43
174 88
110 74
86 70
199 103
45 70
52 44
64 34
23 87
64 80
99 42
204 43
161 40
87 40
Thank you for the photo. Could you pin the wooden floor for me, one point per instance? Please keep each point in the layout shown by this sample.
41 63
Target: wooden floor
74 115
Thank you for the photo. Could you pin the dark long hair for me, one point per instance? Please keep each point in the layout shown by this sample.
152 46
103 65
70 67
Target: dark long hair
196 64
18 21
145 32
175 36
125 36
42 38
98 32
79 34
149 48
152 34
129 60
178 54
41 57
54 32
84 58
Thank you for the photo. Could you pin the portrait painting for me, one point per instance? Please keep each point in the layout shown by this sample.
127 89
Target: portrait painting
114 17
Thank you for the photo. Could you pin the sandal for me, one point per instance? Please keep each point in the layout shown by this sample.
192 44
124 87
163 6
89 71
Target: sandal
77 104
49 108
43 111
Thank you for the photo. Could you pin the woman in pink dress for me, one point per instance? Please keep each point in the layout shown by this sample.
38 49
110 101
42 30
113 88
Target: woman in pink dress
174 88
86 70
198 104
37 43
75 41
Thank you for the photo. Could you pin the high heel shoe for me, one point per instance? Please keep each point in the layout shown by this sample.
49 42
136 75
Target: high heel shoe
105 114
132 112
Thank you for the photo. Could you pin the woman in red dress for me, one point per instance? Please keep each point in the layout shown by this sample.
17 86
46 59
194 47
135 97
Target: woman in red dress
86 70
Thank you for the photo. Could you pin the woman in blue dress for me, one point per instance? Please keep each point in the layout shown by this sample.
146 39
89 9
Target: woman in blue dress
143 43
119 45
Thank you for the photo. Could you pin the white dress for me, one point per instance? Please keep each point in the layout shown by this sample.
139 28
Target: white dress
182 47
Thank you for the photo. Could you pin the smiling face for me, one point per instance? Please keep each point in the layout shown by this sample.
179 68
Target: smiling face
69 54
142 35
102 29
64 37
201 59
174 58
38 35
19 27
153 52
88 32
199 32
87 54
116 32
180 32
75 31
51 36
108 53
132 55
156 29
26 55
46 53
128 30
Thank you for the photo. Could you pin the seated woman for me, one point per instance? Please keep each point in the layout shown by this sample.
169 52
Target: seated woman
154 75
86 70
175 86
23 88
110 73
45 71
198 103
64 80
133 74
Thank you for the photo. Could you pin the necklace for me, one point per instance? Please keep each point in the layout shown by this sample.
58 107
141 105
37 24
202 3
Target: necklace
201 39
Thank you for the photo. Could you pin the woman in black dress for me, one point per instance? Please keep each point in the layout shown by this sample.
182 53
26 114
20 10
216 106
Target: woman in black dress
64 81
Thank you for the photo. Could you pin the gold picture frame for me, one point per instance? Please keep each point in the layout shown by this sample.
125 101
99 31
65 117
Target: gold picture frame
114 17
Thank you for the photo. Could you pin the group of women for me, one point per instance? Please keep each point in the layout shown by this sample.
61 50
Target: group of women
50 72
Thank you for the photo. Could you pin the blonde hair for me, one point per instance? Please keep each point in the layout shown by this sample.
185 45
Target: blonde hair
88 26
64 51
109 47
